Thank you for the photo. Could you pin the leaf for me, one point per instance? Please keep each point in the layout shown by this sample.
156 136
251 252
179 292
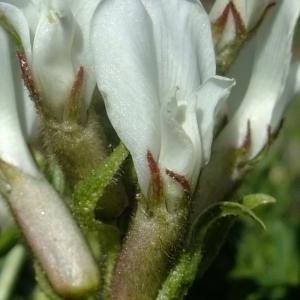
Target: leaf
254 200
207 236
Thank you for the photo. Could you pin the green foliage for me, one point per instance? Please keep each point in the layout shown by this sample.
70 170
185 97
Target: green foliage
208 234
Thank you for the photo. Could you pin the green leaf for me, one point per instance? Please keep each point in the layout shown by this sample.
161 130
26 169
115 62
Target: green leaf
216 211
207 236
254 200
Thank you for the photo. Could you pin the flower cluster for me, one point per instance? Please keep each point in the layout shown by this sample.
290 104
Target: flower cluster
164 69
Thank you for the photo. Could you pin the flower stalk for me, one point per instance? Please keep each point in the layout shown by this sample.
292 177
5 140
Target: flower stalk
154 241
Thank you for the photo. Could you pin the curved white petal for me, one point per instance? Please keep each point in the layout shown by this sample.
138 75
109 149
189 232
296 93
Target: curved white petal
178 150
269 73
13 148
251 11
291 90
217 9
126 72
187 130
143 51
183 45
30 12
241 70
19 22
210 97
28 117
83 11
52 65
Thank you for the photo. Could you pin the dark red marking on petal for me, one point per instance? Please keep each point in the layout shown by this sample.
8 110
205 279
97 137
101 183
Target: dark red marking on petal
77 86
155 174
223 17
180 179
72 110
239 23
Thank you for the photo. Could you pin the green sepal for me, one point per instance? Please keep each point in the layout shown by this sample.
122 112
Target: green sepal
88 191
215 212
206 238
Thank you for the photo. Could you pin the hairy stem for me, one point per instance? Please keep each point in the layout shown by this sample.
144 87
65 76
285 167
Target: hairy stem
151 249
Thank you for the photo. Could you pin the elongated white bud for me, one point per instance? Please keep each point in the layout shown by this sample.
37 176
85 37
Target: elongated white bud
51 232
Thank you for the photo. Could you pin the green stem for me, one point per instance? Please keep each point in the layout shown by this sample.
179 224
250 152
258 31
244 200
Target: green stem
150 250
8 239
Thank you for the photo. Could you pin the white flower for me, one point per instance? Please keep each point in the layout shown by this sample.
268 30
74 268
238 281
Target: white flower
233 23
262 68
44 219
55 36
16 122
155 66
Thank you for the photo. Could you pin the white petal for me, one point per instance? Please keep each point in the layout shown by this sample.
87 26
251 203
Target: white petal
217 9
52 64
18 21
183 44
187 130
241 70
251 11
27 114
83 11
30 12
178 153
139 61
125 64
291 90
210 97
270 69
13 148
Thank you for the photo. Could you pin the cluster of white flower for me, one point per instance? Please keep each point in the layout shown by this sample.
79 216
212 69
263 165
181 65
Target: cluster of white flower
155 63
